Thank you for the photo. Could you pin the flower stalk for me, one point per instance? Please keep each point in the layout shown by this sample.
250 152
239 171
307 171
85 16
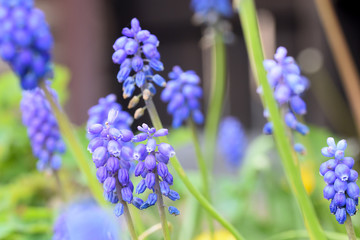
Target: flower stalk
74 145
161 209
127 214
350 228
181 173
247 14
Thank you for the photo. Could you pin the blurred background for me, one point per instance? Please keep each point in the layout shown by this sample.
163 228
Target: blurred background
85 30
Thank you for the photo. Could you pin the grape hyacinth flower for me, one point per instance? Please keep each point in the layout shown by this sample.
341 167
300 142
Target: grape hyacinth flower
99 113
136 53
152 160
42 127
111 153
341 179
25 41
206 8
183 95
284 77
85 221
232 141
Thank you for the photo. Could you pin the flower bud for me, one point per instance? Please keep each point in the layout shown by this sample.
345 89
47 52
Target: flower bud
348 161
119 209
268 128
119 56
350 206
139 169
173 211
340 186
112 164
114 148
140 152
141 187
126 194
333 207
169 179
126 135
340 215
133 102
143 35
152 198
95 129
137 202
330 177
353 175
120 43
166 149
329 192
173 195
139 112
298 105
109 184
164 187
340 199
342 172
123 176
162 169
342 144
140 137
150 162
99 156
151 145
101 174
161 132
161 158
159 80
150 180
352 190
126 153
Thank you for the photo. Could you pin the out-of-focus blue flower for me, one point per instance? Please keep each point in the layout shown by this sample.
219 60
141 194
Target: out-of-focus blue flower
232 141
206 7
152 161
183 95
42 127
341 179
136 53
85 221
111 153
288 84
25 41
99 113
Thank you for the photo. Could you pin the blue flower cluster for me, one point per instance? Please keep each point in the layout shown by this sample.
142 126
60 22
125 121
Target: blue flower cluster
152 166
99 113
206 7
43 130
85 220
111 154
183 94
232 141
137 54
284 77
25 41
341 180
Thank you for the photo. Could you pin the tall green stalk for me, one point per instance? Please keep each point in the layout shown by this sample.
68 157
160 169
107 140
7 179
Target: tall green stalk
181 173
74 145
215 105
161 209
350 228
247 14
203 170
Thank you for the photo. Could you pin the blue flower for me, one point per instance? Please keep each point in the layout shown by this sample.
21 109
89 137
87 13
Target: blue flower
152 159
341 179
42 127
183 95
136 53
284 77
232 141
111 153
25 41
207 7
85 221
99 113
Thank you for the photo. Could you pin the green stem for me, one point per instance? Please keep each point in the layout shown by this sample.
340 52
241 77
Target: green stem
247 14
161 209
74 145
350 228
127 214
60 187
181 173
203 169
215 103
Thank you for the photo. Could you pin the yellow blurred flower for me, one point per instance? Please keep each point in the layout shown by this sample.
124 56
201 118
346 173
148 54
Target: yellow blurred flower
219 235
308 178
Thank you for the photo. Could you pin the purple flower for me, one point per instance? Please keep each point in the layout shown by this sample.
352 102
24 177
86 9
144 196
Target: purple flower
183 95
284 77
152 159
98 115
136 53
111 150
207 8
232 141
25 41
341 179
43 130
